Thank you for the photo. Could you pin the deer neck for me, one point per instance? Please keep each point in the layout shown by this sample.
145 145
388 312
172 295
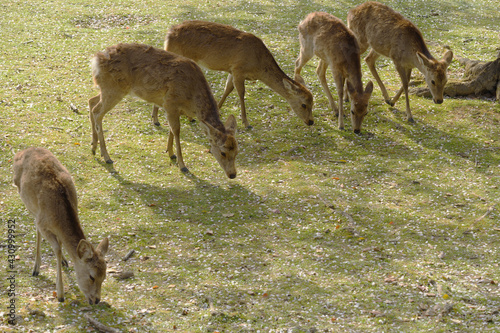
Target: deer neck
354 78
211 113
273 78
72 234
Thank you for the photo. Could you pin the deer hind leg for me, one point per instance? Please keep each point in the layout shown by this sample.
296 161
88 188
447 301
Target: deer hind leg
38 255
154 115
370 61
405 78
229 88
105 104
170 144
175 131
321 72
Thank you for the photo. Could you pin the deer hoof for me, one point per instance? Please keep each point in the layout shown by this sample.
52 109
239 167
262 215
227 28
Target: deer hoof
185 170
35 273
93 151
65 263
410 120
249 127
388 101
109 161
173 157
60 299
157 123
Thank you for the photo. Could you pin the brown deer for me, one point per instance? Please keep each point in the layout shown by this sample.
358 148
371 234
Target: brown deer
389 33
327 37
163 78
244 56
47 190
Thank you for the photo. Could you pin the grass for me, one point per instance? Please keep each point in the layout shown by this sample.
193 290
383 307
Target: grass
322 230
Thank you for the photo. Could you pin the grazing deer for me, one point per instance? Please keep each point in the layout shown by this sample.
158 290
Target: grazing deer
244 56
327 37
390 34
47 190
166 79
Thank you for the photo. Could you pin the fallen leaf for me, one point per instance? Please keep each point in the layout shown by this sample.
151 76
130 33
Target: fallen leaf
228 215
376 313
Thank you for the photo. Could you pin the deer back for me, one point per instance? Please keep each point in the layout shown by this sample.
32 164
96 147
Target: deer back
333 42
155 75
220 47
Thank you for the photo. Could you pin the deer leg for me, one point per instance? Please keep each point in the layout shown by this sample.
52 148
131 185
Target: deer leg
175 131
405 78
56 247
170 144
339 83
64 261
38 256
370 61
239 84
321 72
305 55
229 88
396 97
92 103
154 115
106 103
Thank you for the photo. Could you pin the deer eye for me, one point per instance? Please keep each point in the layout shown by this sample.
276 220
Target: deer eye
92 278
304 106
223 154
433 82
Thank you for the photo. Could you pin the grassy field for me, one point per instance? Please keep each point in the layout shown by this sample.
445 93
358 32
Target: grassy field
393 230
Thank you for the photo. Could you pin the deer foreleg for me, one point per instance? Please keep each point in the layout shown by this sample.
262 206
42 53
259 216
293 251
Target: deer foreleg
321 72
38 255
370 61
405 78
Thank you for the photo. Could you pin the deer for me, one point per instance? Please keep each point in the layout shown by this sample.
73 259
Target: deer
390 34
48 192
162 78
327 37
244 56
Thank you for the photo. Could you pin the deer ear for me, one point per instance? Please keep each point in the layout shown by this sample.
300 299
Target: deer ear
214 135
369 88
350 88
230 124
448 57
102 248
288 86
85 250
423 59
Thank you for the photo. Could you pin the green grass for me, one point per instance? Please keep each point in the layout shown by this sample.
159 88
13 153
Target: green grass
322 229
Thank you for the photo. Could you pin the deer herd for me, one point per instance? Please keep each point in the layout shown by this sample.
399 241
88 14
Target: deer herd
172 79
